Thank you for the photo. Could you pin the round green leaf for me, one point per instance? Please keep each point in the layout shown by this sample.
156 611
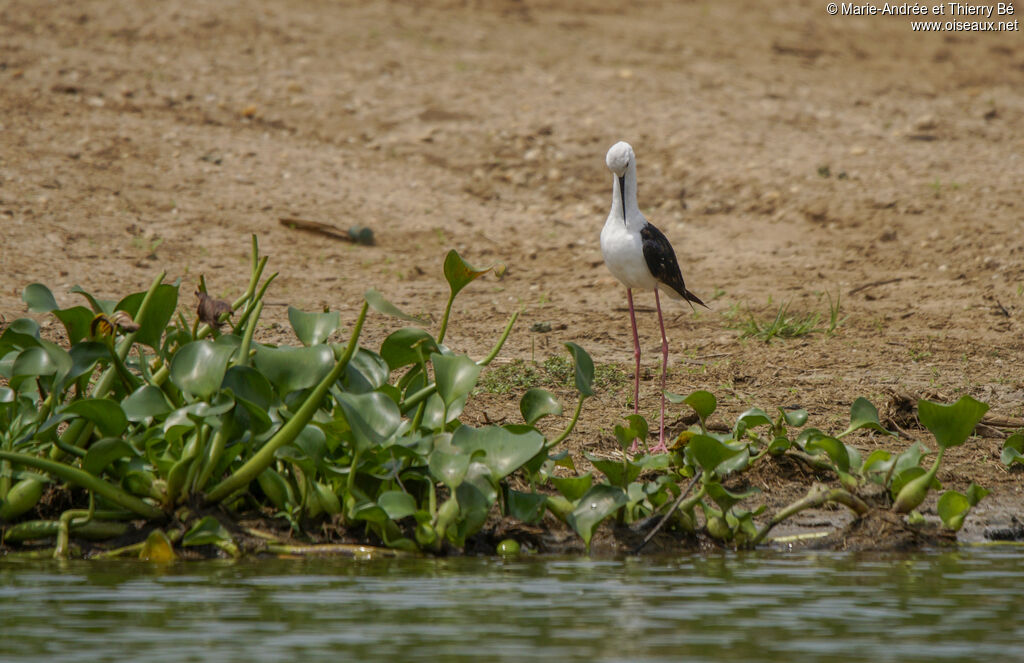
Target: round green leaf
527 507
158 313
313 328
104 412
373 417
1013 449
249 384
381 305
397 504
504 451
39 298
537 403
206 531
835 449
702 402
952 508
573 488
708 452
145 403
951 424
103 452
456 375
366 371
76 320
584 374
797 417
448 468
600 502
459 273
198 368
409 345
864 415
290 369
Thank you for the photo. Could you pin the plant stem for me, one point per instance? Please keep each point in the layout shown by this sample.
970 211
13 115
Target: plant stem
82 478
501 341
290 430
572 424
818 495
444 318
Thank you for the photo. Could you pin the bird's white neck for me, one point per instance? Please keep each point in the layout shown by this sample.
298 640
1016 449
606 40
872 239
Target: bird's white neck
630 212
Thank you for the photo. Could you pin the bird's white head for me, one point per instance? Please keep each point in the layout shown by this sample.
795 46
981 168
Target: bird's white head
619 157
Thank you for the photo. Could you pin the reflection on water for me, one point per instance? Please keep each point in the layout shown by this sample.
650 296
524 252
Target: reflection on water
951 606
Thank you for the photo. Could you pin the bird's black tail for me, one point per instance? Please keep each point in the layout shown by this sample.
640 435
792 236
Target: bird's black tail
690 297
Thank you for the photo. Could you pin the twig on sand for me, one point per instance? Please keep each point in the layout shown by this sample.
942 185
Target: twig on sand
356 234
874 283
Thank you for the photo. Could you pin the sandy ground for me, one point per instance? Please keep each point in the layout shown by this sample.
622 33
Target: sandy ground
787 154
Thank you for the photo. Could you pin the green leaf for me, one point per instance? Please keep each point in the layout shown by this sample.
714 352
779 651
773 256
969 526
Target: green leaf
726 499
98 305
456 375
952 508
248 384
475 496
878 461
835 449
617 472
864 415
207 531
573 488
290 369
703 402
448 468
527 507
902 478
752 418
584 374
636 430
708 452
103 452
104 412
366 371
976 493
409 345
381 305
1013 449
459 273
397 504
373 417
39 298
505 448
538 403
145 403
600 502
951 424
313 328
198 368
779 445
76 321
158 313
795 418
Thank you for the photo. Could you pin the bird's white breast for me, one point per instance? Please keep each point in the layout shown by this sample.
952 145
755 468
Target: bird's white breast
624 255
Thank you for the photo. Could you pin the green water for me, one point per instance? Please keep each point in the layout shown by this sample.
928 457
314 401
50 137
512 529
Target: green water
955 606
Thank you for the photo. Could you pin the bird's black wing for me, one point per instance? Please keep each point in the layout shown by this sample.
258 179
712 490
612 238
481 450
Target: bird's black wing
661 260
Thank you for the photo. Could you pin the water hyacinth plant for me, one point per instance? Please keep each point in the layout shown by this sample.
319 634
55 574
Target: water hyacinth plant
185 422
160 414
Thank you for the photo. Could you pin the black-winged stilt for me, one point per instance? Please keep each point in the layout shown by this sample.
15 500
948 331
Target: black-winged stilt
640 256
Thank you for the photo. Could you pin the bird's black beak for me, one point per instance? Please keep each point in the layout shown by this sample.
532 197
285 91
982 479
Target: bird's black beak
622 195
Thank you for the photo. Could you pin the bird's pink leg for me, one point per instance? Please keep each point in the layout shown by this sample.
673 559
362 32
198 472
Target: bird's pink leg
636 356
662 448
